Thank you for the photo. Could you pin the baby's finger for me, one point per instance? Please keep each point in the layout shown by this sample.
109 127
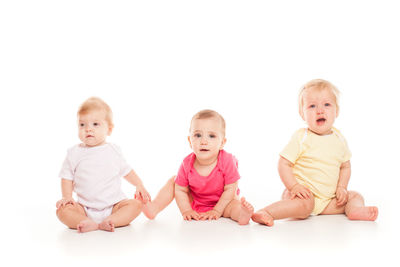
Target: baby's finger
340 200
304 194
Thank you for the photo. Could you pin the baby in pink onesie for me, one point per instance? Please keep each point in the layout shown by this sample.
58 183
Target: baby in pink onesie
206 186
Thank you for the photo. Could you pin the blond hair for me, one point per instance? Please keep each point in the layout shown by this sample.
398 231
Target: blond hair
319 85
96 104
206 114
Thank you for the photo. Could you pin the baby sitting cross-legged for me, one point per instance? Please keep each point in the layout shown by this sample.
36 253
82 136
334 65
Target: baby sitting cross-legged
93 169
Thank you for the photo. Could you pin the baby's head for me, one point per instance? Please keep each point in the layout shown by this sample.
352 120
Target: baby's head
319 105
207 135
94 122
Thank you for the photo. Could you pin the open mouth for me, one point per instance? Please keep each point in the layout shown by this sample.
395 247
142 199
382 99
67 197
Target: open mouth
321 121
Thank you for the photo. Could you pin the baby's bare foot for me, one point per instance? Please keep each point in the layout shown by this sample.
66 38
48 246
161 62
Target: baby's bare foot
263 217
87 226
245 212
107 225
363 213
150 210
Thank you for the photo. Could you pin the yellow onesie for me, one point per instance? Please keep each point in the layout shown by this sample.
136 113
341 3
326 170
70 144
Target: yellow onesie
317 160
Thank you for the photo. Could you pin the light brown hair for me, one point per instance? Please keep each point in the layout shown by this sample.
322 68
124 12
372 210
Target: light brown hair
206 114
319 85
96 104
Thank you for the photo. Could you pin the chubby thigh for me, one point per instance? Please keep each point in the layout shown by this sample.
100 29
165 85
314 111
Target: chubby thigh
319 203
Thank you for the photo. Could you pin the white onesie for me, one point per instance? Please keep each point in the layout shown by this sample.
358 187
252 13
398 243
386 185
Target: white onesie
96 173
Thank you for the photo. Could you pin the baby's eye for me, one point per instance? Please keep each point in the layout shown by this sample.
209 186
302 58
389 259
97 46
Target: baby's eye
327 104
197 135
96 124
81 124
212 135
312 106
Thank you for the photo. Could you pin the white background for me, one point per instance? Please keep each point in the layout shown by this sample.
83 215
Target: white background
157 63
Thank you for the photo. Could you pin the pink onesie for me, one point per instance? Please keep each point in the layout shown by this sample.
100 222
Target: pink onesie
207 190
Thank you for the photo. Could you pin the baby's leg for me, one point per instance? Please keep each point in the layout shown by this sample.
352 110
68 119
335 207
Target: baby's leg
162 200
122 214
354 209
286 208
239 211
72 215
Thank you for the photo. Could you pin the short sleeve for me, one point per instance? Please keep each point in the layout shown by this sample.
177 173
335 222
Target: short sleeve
347 152
125 168
292 150
67 169
229 168
182 178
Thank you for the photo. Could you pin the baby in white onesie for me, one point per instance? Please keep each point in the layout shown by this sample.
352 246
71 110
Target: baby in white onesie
93 169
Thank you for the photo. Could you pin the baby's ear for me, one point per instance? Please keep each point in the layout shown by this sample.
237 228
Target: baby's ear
337 112
190 143
223 144
110 129
301 114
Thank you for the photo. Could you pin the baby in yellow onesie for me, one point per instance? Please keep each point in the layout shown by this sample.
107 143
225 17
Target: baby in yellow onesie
315 165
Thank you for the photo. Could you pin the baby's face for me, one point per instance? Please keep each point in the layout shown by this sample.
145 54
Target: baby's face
319 110
207 139
93 128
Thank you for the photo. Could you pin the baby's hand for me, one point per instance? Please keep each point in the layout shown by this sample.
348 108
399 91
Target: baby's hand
210 215
142 194
190 214
300 191
341 196
65 201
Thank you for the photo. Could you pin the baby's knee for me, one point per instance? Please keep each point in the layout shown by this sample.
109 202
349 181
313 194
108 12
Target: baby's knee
65 209
171 182
354 194
134 203
306 206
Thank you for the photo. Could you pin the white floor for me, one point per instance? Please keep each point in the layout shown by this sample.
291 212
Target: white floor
327 240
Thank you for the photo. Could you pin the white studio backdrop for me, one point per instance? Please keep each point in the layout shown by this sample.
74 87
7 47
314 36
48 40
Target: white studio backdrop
156 63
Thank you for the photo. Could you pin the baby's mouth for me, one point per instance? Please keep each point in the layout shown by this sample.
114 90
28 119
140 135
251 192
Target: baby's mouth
204 150
87 136
321 121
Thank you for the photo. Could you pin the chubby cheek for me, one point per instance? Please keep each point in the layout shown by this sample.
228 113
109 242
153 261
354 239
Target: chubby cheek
81 135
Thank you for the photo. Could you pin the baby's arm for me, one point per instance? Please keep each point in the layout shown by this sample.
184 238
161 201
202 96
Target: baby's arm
141 192
285 169
341 189
226 197
67 186
183 202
